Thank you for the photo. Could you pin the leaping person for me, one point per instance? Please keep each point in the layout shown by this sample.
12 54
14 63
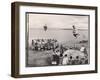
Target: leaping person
45 27
75 32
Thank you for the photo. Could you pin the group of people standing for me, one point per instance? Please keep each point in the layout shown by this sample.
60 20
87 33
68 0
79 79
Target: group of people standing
44 44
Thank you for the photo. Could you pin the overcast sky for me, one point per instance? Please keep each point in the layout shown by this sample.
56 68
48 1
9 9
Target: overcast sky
57 21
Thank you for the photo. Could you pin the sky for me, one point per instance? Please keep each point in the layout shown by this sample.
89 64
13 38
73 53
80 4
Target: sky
57 21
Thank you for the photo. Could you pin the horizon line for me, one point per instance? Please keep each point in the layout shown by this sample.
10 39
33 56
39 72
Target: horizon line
61 28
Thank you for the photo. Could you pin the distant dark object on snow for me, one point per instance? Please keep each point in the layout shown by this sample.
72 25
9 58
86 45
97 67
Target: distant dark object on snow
83 41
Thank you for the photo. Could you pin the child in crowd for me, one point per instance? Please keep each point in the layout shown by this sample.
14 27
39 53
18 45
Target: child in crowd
65 59
55 60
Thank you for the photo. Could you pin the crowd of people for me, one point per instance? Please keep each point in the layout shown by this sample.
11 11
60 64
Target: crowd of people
44 44
58 57
67 59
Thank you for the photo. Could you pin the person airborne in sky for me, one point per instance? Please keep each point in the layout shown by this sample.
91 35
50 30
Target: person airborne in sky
45 27
75 32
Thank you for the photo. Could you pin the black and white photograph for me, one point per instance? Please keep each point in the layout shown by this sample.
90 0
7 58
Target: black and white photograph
57 39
